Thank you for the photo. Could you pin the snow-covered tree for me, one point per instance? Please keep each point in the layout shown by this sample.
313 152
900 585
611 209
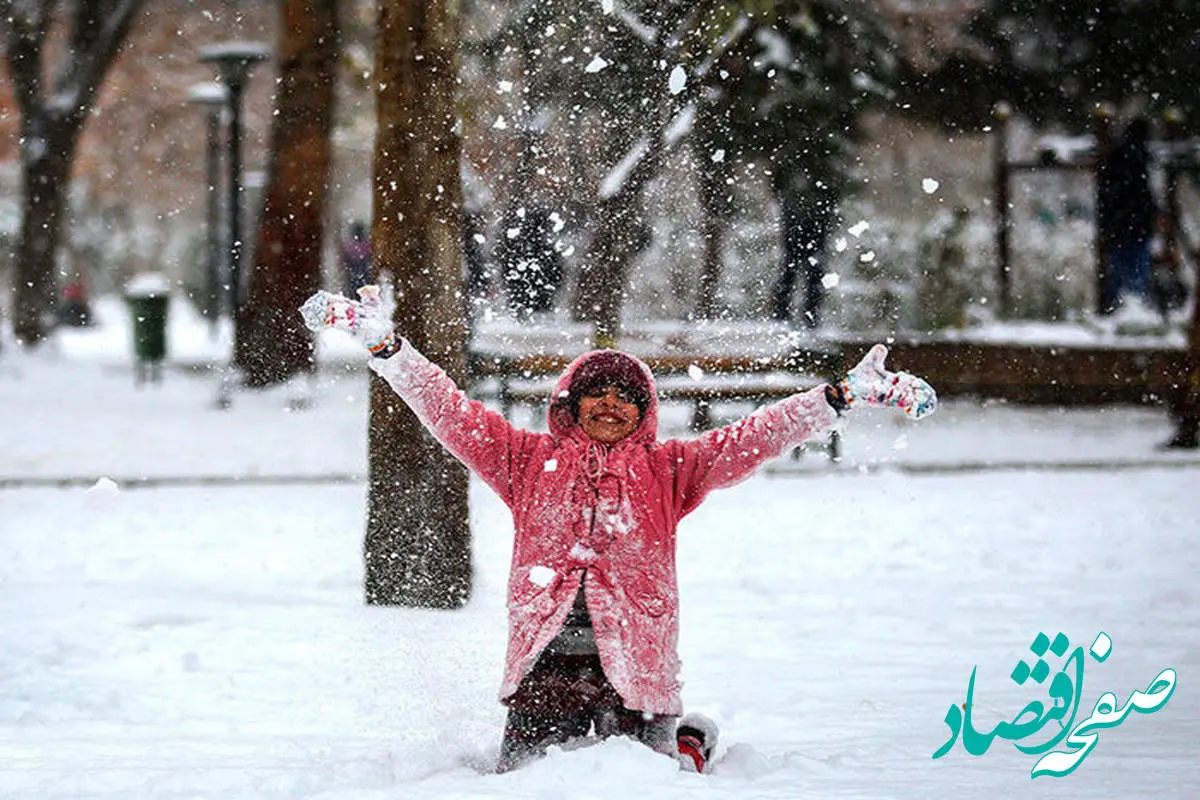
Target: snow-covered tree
789 89
417 548
1055 60
272 344
55 76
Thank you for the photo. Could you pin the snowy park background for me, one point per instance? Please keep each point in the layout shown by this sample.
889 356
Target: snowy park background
184 616
182 587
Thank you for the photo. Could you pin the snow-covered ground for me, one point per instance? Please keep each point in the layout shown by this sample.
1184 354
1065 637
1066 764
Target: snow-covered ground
183 617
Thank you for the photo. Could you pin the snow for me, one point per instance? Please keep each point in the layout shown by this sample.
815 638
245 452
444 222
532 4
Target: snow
616 177
148 284
182 597
677 80
541 576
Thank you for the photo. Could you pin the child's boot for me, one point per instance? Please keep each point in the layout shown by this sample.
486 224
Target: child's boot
696 738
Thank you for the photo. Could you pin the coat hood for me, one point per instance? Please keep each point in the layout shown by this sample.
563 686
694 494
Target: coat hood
622 367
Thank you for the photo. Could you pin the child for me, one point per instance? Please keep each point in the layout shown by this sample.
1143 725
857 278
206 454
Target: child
592 591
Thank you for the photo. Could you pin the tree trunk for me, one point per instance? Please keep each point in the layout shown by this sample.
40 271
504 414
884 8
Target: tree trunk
621 233
45 180
417 549
272 343
53 113
715 209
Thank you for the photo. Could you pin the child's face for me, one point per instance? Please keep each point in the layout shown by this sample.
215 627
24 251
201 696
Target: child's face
608 415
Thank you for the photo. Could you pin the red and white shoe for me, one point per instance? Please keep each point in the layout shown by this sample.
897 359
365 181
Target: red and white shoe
696 737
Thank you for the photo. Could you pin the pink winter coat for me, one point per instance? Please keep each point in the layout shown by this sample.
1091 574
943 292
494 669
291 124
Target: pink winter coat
602 515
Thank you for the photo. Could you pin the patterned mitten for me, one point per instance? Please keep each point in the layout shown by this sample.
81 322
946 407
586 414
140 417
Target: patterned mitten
365 320
871 384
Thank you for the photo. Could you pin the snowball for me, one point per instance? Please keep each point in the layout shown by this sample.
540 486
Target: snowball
500 124
830 280
695 372
867 257
551 465
718 156
505 87
541 576
104 486
859 228
606 6
929 185
677 80
595 65
840 244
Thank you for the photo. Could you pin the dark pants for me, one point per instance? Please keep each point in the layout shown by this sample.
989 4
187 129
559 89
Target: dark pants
561 699
1128 272
807 221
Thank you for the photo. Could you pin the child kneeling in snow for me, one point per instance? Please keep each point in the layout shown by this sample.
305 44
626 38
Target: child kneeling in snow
593 602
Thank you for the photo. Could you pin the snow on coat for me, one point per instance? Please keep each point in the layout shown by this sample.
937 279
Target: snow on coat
598 515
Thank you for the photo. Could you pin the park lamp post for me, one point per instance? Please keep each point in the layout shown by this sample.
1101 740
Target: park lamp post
233 62
213 98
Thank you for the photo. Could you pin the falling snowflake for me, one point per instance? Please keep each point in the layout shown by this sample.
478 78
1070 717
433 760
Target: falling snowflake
929 185
595 65
677 81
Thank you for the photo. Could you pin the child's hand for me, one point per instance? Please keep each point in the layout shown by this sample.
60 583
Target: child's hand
871 384
365 320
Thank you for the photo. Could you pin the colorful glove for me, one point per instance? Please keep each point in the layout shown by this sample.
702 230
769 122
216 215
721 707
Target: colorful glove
871 384
366 321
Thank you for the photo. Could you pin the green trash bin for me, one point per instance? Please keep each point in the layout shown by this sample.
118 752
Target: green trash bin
148 303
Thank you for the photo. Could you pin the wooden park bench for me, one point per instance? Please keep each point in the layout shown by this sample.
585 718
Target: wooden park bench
701 379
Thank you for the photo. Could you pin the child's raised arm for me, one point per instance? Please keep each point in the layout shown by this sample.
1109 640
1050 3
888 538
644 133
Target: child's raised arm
480 438
731 454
